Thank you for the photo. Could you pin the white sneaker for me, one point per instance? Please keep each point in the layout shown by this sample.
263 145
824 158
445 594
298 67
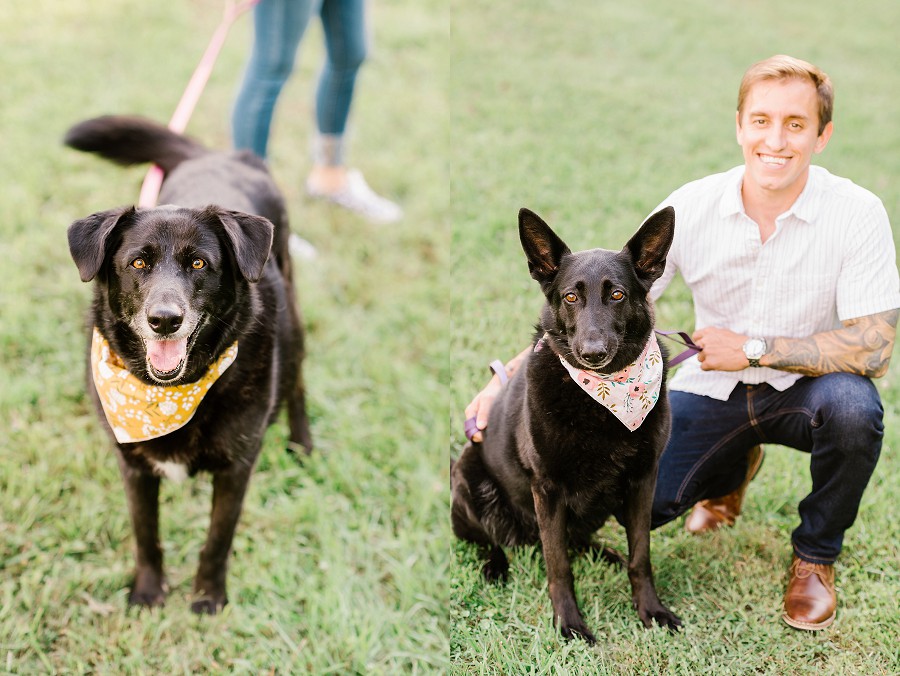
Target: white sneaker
356 195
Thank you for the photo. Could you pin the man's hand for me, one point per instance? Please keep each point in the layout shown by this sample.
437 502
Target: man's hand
480 406
862 346
722 349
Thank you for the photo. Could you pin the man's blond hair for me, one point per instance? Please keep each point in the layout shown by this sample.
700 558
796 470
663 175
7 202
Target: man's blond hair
781 67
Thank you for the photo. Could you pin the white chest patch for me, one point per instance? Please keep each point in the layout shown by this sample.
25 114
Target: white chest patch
174 471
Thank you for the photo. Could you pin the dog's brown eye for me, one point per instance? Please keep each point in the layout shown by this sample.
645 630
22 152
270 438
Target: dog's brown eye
198 264
570 297
139 264
617 295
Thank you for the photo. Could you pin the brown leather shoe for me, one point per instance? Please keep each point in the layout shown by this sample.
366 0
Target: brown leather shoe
810 599
708 515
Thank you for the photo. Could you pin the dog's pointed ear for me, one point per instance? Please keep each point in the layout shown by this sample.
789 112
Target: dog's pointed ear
543 248
250 238
649 246
89 238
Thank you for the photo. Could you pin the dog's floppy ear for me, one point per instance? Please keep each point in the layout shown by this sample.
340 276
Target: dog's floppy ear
649 246
250 238
89 238
543 248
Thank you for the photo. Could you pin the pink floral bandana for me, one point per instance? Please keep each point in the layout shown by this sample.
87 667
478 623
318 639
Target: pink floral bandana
137 411
629 394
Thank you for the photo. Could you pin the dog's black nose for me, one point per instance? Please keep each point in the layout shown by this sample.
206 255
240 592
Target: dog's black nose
594 354
165 319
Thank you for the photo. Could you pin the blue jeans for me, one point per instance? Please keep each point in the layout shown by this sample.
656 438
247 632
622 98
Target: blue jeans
836 418
278 27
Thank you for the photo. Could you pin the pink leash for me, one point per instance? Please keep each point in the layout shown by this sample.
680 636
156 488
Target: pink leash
154 178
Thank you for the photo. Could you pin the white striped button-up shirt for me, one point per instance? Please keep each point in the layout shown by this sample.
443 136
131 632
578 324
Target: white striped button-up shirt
831 258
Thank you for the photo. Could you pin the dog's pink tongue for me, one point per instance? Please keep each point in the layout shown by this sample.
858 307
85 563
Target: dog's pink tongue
166 355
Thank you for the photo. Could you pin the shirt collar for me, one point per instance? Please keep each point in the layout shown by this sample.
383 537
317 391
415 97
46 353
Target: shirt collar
805 207
731 202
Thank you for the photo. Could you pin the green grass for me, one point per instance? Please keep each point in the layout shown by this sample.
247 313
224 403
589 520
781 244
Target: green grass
591 114
339 565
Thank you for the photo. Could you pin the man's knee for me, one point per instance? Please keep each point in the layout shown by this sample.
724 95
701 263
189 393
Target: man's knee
846 399
848 407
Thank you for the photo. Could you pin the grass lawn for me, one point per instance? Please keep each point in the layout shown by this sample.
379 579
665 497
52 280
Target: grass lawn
590 114
339 565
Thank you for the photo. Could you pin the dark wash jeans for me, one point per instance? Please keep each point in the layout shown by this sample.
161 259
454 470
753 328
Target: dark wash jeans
836 418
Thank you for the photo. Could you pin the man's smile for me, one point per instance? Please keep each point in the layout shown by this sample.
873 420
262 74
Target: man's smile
773 160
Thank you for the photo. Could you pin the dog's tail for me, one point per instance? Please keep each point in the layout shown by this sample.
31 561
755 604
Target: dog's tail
126 140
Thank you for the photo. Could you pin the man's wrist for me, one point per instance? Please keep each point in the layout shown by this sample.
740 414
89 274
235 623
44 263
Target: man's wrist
754 350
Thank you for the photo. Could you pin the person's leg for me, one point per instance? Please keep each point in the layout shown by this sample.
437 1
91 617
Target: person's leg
344 27
706 456
278 26
345 41
837 418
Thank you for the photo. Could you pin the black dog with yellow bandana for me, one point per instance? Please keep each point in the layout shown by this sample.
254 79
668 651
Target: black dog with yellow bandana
195 336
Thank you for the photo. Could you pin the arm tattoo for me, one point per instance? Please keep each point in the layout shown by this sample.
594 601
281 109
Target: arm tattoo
863 346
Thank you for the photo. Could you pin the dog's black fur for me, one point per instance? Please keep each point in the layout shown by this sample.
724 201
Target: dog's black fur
554 464
225 215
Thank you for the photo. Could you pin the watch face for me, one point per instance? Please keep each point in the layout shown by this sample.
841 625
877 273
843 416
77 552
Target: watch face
755 348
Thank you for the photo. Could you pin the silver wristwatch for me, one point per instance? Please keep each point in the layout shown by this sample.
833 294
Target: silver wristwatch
754 349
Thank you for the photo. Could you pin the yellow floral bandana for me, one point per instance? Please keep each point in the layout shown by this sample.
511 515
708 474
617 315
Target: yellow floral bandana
137 411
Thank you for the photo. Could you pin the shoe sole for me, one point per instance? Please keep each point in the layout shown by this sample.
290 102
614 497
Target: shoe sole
808 626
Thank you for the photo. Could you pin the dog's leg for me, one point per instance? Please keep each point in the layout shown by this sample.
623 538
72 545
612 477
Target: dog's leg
142 492
551 517
229 488
297 419
496 568
464 517
465 527
638 503
298 422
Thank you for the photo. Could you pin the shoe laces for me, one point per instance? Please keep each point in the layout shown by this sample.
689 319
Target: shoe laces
803 569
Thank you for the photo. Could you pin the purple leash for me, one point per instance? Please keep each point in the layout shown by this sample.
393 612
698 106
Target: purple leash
692 347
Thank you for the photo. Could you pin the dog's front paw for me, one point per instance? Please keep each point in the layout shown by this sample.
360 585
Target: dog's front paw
576 628
663 617
669 620
149 589
147 600
208 605
210 594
